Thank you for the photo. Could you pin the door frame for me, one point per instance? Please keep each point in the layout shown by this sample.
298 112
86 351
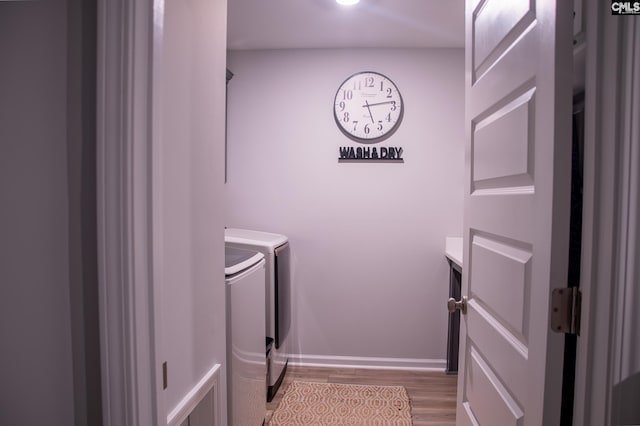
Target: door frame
607 131
128 306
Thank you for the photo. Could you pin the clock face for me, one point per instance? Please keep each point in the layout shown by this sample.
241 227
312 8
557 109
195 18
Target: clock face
368 107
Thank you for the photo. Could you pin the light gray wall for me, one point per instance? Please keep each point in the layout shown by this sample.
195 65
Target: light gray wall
189 179
49 355
367 240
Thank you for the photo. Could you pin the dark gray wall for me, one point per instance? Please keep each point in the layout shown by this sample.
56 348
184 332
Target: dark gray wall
49 355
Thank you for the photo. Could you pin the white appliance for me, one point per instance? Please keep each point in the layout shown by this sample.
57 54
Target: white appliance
246 363
275 248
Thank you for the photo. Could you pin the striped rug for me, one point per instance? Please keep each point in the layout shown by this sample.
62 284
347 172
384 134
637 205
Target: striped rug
328 404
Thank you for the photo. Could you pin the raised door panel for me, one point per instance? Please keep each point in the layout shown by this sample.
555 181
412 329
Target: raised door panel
489 402
495 25
502 280
503 145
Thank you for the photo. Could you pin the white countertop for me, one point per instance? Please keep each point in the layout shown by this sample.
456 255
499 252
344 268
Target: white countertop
453 249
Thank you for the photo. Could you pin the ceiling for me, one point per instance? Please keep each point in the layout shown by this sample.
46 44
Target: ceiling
290 24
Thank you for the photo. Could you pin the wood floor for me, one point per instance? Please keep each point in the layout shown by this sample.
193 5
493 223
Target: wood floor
432 394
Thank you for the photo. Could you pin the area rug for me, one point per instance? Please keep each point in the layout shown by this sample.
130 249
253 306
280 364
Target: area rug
328 404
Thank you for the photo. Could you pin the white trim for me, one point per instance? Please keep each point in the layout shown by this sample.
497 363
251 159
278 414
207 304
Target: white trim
623 357
209 381
154 155
628 279
607 133
124 235
598 216
375 363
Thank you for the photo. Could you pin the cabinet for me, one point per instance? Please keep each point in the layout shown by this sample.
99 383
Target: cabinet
453 335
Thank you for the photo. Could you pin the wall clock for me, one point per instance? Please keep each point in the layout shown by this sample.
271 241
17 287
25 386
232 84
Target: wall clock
368 107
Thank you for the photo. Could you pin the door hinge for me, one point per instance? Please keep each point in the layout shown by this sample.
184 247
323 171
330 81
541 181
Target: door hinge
565 310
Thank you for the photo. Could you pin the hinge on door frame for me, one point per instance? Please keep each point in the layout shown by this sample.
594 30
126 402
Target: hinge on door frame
565 310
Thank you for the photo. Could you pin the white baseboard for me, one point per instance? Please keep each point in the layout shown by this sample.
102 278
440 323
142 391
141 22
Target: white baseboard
417 364
181 411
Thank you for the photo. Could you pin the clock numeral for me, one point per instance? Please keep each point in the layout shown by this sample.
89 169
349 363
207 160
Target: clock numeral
389 92
389 117
347 94
346 117
357 85
355 124
366 129
393 105
381 86
379 125
342 105
368 82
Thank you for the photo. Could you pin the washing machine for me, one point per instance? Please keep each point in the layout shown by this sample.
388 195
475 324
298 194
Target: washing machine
246 363
275 248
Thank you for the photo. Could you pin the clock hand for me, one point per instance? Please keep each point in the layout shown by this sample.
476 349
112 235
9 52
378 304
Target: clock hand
370 115
378 103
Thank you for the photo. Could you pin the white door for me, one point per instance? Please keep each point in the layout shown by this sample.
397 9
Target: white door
518 117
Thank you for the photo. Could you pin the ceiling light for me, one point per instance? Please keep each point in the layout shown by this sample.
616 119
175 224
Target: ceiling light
347 2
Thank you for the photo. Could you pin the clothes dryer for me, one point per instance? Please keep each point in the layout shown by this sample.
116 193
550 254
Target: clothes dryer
275 248
246 363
